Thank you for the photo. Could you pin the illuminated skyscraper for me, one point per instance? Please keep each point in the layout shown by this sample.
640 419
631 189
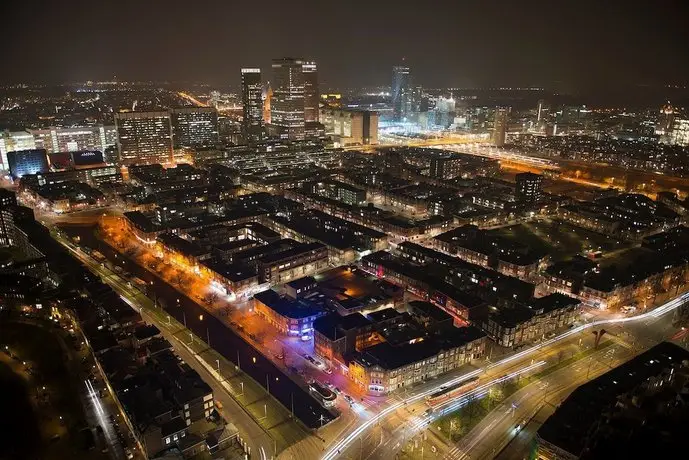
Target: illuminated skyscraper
267 97
500 127
402 93
311 96
287 104
252 103
542 110
665 123
679 135
194 126
144 137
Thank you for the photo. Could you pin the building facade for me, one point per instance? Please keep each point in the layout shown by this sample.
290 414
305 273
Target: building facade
252 104
87 138
311 93
144 137
11 141
194 126
529 187
350 127
287 102
500 127
401 92
22 162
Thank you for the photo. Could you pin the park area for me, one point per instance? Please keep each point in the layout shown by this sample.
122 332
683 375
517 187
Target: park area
562 241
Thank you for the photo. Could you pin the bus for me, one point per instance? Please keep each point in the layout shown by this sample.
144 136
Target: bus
449 392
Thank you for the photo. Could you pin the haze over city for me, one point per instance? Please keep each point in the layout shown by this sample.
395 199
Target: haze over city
567 46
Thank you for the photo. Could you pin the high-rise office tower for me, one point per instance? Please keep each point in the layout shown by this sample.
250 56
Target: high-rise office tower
665 123
311 94
287 103
679 134
542 110
194 126
252 103
401 92
500 127
267 97
144 137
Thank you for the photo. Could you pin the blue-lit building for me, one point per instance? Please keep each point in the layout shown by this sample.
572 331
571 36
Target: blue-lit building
22 162
289 316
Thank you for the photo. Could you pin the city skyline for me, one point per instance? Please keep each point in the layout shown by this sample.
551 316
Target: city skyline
566 47
332 231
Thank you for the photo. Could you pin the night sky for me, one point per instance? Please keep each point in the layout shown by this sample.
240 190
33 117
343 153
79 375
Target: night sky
569 45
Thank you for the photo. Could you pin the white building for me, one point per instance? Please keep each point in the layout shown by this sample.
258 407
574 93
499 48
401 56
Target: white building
350 127
14 140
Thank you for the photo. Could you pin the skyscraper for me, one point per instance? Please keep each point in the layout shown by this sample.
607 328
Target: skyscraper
311 95
401 92
144 137
267 97
194 126
252 103
287 104
665 123
500 127
679 135
542 110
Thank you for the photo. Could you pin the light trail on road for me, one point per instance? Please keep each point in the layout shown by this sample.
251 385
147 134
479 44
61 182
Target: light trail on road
663 309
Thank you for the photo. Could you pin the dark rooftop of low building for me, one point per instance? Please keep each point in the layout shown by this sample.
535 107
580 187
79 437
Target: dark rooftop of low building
289 308
510 316
386 314
437 314
141 221
302 282
571 426
178 244
552 302
390 357
146 331
235 272
334 325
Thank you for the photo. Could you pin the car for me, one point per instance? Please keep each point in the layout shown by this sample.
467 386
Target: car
349 399
328 370
337 390
128 453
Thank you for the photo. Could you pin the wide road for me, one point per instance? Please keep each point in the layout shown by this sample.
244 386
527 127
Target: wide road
362 439
496 429
233 347
265 425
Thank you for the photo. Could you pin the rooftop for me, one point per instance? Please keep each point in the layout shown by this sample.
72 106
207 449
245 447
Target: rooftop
574 420
289 308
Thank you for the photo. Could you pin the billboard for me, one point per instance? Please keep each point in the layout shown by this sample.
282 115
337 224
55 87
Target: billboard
87 157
